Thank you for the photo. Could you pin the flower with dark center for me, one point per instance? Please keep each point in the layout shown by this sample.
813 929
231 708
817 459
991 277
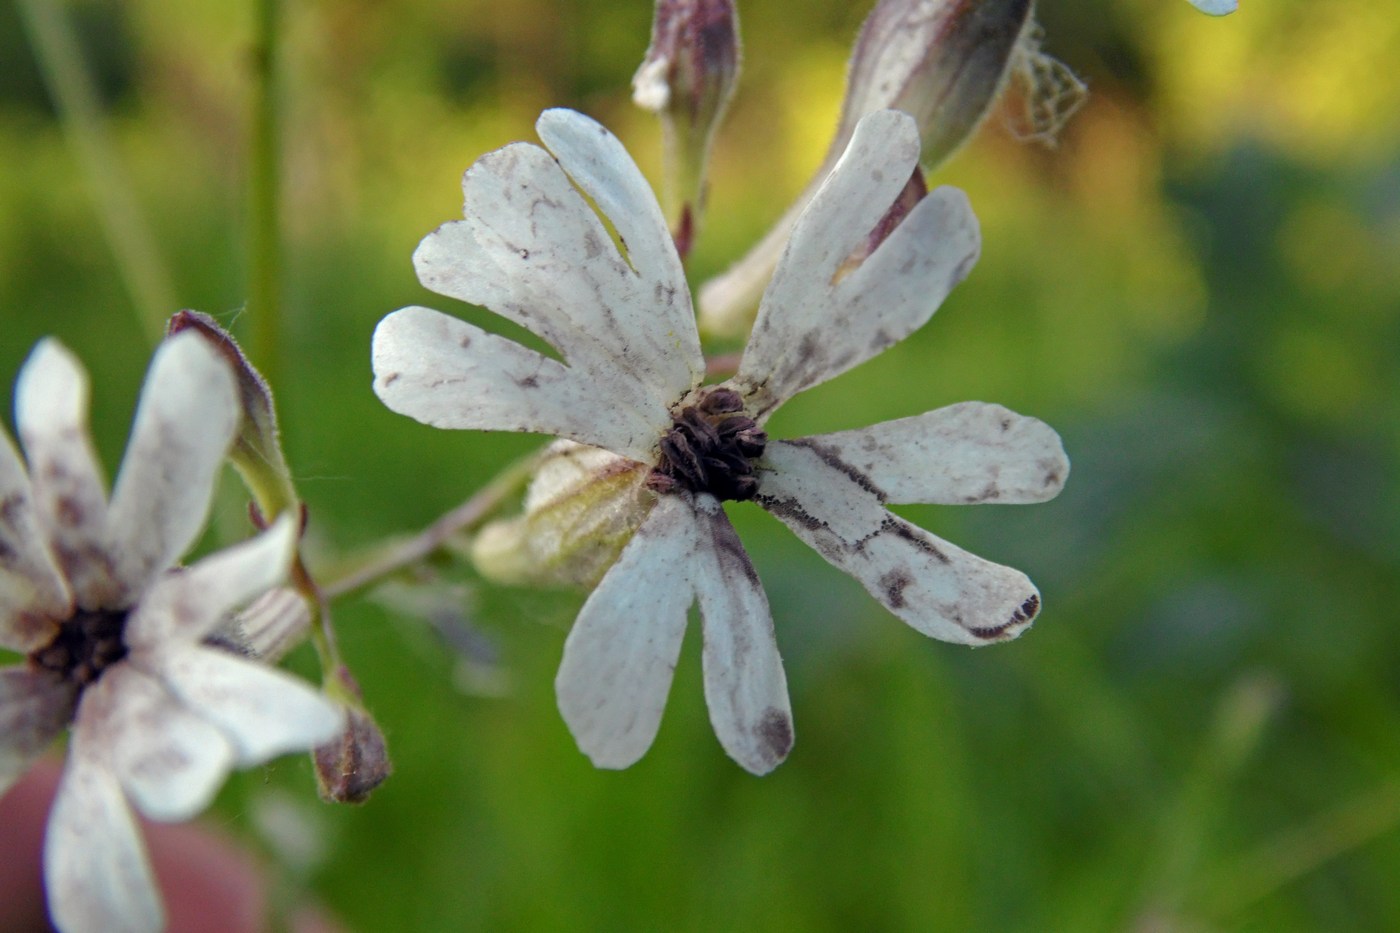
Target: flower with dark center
613 301
119 638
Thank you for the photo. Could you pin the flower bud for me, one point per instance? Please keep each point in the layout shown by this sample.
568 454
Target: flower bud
257 450
350 767
944 62
582 508
687 79
270 625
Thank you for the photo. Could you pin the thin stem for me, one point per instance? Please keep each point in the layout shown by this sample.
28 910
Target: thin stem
322 632
265 193
1297 852
74 94
410 551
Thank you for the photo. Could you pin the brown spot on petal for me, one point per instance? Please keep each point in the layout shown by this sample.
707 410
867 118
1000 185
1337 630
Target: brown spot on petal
70 512
892 585
1028 609
991 632
1022 616
789 508
830 457
901 530
775 729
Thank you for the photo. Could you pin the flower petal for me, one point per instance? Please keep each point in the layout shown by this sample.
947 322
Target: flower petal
815 323
35 705
263 712
621 653
563 266
184 425
939 589
169 760
450 374
664 318
32 592
962 454
95 867
51 412
557 262
745 687
187 604
1216 7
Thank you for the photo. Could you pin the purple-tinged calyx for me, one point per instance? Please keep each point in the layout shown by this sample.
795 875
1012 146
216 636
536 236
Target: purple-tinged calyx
687 79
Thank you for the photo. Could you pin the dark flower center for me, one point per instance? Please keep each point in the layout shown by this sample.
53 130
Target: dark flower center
85 646
711 448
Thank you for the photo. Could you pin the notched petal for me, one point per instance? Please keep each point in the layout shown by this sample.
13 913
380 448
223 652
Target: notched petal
934 586
745 687
449 374
819 320
621 654
972 452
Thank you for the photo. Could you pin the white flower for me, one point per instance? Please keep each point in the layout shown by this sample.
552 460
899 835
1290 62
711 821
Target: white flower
115 631
534 251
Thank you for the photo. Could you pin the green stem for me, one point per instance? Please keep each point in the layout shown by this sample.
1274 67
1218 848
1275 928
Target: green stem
1298 852
265 194
407 552
74 94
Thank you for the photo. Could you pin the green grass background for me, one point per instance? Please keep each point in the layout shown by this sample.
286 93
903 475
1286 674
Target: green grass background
1199 288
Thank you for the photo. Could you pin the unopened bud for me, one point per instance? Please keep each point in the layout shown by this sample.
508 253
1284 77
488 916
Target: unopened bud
257 450
352 765
582 508
271 625
687 79
944 62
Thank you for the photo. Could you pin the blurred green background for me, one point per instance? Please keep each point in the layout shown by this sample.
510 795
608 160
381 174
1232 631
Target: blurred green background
1199 288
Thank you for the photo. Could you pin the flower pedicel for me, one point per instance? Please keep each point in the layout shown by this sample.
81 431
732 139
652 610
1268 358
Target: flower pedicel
533 250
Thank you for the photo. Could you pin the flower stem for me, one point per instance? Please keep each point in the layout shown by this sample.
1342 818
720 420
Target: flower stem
404 553
75 97
265 193
1297 852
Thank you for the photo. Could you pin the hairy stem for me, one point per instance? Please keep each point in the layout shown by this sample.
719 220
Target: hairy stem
409 551
265 193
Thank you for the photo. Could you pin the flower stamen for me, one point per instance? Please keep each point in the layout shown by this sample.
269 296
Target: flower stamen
85 646
711 448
